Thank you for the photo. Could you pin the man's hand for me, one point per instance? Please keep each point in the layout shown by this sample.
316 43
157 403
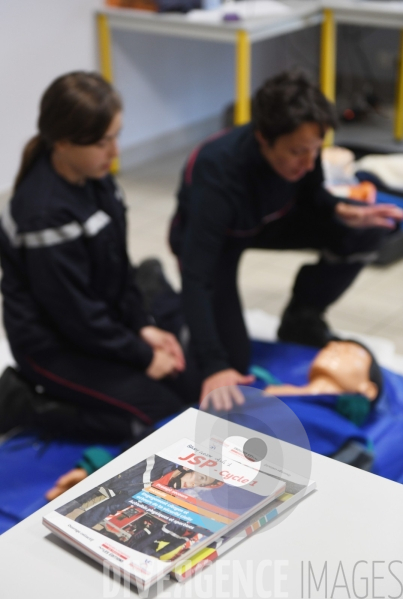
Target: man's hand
220 389
376 215
159 339
65 482
162 365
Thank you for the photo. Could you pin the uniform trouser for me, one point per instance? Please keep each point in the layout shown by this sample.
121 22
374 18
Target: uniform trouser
112 396
107 387
344 252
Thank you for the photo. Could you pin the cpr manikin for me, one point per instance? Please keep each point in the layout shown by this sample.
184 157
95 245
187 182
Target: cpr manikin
340 367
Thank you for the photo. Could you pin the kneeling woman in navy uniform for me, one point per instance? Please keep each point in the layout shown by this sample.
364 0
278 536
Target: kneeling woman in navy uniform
73 314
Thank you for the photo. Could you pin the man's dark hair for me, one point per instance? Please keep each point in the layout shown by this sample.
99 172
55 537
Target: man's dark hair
287 101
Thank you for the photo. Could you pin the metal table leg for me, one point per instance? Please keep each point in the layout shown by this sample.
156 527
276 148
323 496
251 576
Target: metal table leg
105 60
398 128
328 62
242 79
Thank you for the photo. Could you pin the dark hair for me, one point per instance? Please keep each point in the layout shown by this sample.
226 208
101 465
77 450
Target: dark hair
288 100
77 107
175 482
375 372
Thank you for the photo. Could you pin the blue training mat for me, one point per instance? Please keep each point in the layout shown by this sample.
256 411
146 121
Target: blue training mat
29 467
290 362
387 198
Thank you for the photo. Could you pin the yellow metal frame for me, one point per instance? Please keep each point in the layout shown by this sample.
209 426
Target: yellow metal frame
398 128
328 62
242 79
105 60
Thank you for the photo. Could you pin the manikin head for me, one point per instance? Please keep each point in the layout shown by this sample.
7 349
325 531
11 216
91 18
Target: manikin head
291 117
351 366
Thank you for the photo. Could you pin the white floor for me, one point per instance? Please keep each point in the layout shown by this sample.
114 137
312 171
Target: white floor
373 306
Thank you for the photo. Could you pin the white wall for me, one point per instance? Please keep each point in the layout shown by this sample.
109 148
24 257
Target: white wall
167 85
39 40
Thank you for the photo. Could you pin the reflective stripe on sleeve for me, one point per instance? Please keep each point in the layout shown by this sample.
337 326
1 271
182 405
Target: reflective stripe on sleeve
53 236
96 223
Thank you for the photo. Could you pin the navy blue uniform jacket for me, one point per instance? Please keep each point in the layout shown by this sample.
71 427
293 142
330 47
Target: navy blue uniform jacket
67 281
228 193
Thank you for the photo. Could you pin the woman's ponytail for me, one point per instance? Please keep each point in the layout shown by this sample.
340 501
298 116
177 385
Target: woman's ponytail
32 150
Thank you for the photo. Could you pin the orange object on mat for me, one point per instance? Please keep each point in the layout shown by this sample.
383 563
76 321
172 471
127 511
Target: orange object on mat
363 192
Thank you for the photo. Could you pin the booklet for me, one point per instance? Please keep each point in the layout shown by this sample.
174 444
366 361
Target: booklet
205 557
159 512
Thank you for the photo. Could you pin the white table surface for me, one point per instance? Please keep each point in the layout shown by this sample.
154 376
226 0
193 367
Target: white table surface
354 518
367 12
303 14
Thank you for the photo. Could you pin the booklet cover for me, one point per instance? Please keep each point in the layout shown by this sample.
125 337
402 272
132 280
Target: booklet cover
296 489
159 512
